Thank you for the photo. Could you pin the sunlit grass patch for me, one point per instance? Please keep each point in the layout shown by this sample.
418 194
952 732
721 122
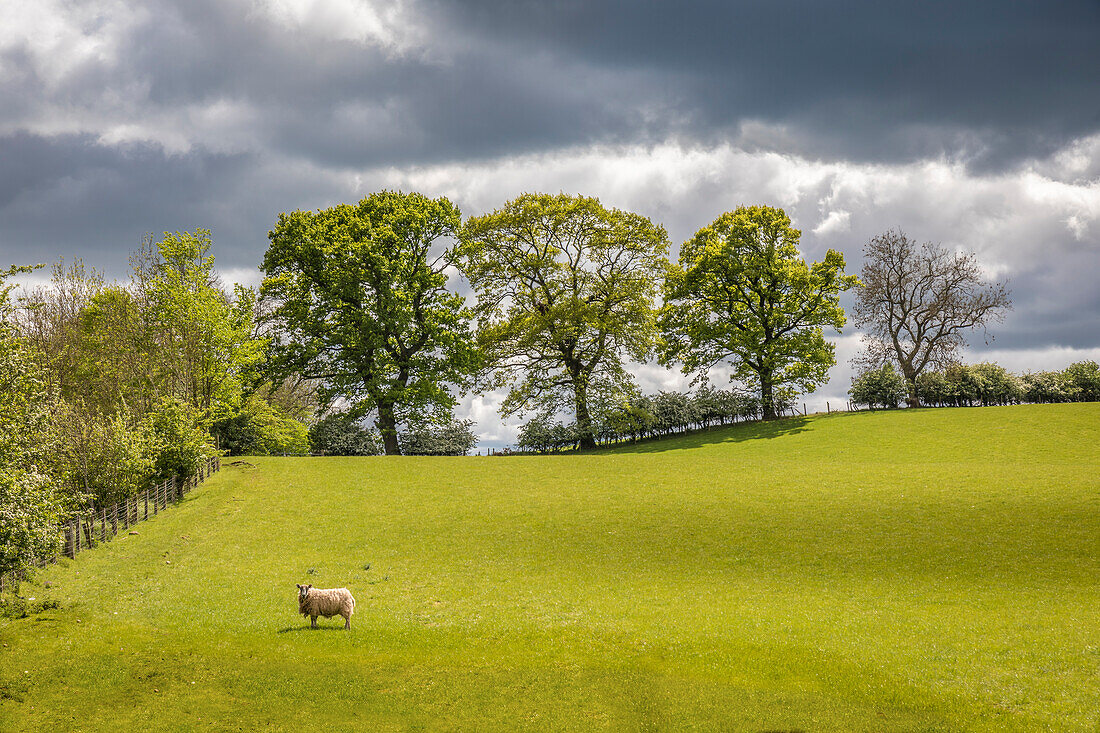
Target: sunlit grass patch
909 570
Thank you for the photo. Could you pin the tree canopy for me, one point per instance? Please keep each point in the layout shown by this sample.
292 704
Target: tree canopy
742 294
358 301
565 294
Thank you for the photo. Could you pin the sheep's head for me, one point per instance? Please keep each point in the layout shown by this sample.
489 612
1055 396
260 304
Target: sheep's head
303 591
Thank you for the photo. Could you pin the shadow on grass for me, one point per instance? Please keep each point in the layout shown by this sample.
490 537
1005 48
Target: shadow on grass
289 629
761 429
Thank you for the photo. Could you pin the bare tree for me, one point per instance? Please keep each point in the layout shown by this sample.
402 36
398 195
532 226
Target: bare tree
916 303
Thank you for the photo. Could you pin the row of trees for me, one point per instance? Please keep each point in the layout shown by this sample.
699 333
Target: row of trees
356 299
961 385
343 434
648 416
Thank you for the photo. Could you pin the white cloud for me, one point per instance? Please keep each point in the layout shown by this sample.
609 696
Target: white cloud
835 223
388 24
1078 226
62 38
1007 218
249 277
1019 361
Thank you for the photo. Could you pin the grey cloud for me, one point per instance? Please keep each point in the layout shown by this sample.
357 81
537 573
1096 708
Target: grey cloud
69 196
991 81
987 82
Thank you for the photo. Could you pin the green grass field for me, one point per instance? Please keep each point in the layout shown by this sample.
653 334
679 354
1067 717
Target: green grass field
926 570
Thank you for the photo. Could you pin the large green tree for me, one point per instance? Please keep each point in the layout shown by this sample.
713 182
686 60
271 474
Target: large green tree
742 294
205 348
565 294
358 300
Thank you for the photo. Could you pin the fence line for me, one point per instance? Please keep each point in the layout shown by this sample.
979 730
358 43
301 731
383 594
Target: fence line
80 532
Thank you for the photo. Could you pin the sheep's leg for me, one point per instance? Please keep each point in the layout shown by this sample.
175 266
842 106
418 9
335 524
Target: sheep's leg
313 622
347 622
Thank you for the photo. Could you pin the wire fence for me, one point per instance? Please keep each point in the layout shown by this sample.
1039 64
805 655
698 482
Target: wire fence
85 531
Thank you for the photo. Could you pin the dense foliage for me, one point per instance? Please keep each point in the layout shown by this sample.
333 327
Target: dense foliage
883 387
30 505
107 388
985 384
261 428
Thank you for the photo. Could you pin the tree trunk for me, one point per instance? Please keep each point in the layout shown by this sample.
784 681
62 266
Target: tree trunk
911 384
584 419
767 397
387 426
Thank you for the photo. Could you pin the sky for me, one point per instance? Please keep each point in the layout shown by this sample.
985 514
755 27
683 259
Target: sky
975 125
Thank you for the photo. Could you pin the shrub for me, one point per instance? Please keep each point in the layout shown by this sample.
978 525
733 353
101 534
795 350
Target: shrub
102 458
1082 381
1045 387
540 435
883 387
629 421
445 438
259 429
963 384
933 390
30 506
341 434
995 385
175 442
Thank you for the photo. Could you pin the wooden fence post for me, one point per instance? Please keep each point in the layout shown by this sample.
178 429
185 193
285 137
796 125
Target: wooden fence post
103 525
114 519
147 503
76 534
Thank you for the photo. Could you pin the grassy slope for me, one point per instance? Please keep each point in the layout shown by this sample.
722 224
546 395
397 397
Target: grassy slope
913 570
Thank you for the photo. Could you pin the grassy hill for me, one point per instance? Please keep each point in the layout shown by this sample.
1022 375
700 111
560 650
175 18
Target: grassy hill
910 570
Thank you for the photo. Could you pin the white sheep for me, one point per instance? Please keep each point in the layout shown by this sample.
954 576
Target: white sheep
327 602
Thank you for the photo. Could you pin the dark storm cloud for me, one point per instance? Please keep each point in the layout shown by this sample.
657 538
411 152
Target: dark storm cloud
869 80
341 102
988 82
69 196
1055 303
